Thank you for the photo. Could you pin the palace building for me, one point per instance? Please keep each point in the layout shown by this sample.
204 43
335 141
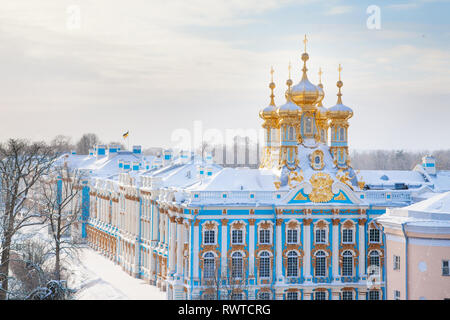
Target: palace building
301 226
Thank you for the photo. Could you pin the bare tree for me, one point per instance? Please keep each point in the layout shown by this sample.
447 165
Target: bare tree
62 144
86 142
225 286
60 206
22 164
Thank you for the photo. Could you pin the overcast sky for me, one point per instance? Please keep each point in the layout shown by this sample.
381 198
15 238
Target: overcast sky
152 67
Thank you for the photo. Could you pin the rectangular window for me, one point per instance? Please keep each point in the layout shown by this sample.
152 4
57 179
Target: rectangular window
264 236
320 295
445 268
292 236
320 236
209 237
396 295
374 295
292 296
237 237
374 235
396 262
347 236
347 295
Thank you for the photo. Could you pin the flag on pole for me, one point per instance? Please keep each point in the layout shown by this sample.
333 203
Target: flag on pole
125 135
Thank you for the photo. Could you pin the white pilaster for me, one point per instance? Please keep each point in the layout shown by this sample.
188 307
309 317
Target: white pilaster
180 246
335 248
362 249
307 249
224 247
251 244
279 270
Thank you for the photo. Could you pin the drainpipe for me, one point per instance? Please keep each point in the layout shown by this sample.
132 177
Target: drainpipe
406 260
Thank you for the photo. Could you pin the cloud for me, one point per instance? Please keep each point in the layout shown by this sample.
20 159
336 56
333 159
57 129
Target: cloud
337 10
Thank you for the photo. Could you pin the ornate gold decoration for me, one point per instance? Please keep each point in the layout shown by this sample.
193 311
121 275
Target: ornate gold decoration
265 225
300 197
292 224
321 183
362 221
209 225
348 224
335 222
294 176
312 159
340 196
321 224
277 184
344 178
238 225
307 222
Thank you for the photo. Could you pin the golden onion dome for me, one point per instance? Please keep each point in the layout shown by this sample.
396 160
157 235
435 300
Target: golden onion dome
340 111
289 109
305 93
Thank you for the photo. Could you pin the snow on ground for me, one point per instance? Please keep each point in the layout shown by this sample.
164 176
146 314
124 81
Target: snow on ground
95 277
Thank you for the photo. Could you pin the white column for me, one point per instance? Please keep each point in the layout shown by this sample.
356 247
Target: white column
224 247
180 246
307 248
362 248
195 252
251 244
279 257
362 294
335 248
155 221
335 295
172 225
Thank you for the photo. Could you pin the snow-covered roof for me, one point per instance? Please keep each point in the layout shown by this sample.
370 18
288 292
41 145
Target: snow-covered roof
441 180
428 216
388 178
237 179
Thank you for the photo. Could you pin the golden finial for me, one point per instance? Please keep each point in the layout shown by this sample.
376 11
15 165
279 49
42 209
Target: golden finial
305 41
272 86
320 75
339 85
289 82
305 58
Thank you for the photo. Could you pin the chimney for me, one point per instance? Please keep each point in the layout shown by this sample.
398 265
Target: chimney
167 157
101 150
137 149
113 150
429 164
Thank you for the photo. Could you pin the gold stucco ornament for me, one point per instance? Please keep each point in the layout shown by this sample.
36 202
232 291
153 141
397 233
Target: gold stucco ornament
321 187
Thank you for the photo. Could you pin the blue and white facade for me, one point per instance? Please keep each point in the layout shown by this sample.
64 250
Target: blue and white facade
302 226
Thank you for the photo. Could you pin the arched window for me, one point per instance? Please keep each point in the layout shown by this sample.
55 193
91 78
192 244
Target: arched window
308 124
264 264
342 134
374 263
292 264
291 133
347 264
347 295
208 265
237 265
321 264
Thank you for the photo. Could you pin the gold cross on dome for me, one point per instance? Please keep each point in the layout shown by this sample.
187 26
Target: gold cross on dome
271 73
320 75
289 68
305 41
340 69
